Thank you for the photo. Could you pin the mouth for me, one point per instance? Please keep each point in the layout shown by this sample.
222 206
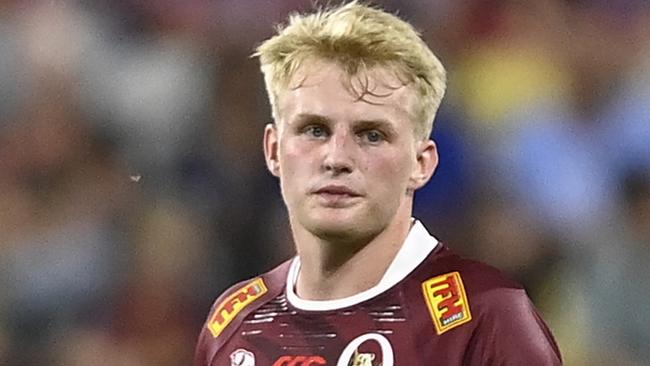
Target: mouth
336 195
335 190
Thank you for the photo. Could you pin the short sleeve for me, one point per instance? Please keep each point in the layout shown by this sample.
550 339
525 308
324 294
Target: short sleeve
509 332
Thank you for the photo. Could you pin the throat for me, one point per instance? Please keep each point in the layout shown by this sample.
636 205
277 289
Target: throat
333 271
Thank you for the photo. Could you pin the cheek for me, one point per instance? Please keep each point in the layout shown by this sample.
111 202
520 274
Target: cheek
388 177
294 163
393 169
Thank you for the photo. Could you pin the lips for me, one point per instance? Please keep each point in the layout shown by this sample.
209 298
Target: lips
336 196
337 190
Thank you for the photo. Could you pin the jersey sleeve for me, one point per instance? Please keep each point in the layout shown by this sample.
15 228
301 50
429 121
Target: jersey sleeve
232 307
201 357
510 332
202 352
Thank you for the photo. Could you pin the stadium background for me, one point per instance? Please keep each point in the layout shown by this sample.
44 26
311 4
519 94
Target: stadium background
133 190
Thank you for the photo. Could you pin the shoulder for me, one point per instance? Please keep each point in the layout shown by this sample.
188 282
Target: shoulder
477 278
487 290
252 292
458 290
233 305
505 324
266 282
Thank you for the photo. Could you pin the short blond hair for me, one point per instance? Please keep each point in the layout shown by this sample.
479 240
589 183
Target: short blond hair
357 37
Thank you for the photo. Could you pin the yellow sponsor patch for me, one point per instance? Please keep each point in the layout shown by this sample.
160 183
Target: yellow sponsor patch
447 301
228 309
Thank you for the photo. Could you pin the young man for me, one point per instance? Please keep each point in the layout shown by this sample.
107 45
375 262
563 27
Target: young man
354 92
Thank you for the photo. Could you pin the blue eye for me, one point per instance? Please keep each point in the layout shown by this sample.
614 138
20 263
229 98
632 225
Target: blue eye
373 136
316 131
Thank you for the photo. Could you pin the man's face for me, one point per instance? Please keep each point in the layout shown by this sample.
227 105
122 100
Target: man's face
347 166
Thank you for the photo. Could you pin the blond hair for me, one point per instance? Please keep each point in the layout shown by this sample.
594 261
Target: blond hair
357 37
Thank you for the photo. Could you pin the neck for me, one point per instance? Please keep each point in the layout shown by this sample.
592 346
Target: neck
334 270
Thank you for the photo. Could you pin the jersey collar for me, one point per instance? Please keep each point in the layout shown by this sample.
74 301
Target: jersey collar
417 246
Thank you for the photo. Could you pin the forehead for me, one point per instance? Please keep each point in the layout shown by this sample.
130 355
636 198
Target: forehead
325 88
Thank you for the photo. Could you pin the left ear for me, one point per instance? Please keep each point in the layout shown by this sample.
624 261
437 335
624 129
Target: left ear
426 163
271 149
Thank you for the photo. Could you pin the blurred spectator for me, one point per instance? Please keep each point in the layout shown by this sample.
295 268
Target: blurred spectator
61 193
617 280
568 152
600 300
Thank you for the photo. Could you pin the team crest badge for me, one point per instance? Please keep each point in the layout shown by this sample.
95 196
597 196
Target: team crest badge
242 357
370 349
228 309
447 301
362 359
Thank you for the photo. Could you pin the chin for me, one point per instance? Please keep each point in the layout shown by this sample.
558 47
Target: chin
339 228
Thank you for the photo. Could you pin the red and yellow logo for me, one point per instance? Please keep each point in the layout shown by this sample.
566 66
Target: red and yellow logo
300 361
447 301
228 309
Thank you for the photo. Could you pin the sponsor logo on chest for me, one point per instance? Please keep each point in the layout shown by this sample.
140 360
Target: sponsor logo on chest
228 309
300 361
447 301
370 349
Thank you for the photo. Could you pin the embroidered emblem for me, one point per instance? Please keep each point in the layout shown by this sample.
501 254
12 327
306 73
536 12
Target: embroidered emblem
378 351
228 309
242 357
447 301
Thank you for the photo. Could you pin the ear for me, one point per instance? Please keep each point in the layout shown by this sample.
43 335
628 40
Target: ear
425 165
271 149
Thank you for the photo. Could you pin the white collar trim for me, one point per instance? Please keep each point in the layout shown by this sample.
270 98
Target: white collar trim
417 246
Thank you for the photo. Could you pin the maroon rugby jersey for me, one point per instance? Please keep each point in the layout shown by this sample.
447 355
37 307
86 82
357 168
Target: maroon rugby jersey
432 307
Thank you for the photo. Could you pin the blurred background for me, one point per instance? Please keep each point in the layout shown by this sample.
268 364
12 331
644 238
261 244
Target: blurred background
133 189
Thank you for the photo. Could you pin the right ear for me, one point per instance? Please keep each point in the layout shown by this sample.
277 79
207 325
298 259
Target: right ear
271 149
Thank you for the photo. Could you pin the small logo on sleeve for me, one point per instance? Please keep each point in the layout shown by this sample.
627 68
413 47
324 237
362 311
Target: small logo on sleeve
228 309
447 301
242 357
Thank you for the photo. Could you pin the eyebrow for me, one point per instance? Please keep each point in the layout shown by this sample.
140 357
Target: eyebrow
382 124
309 117
362 124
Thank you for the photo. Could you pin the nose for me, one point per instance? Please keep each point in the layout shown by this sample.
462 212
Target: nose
338 154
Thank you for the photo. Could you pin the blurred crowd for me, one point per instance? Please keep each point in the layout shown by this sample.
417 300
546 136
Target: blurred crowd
133 188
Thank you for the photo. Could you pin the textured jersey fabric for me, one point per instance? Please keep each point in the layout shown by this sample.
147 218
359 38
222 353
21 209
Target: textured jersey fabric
431 308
